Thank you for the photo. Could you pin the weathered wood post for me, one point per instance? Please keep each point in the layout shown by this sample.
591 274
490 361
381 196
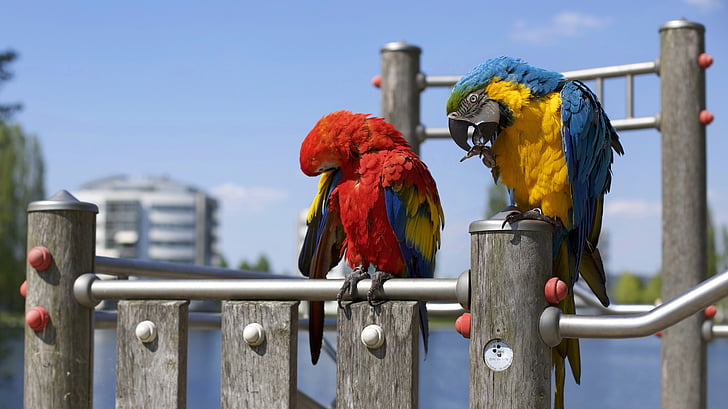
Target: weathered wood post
59 355
510 366
377 376
400 89
684 236
259 350
151 354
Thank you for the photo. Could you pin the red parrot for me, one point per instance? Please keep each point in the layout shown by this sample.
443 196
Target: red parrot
377 206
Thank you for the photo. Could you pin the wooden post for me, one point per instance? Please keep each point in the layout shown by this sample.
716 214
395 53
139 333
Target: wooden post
264 375
510 366
151 369
59 358
400 90
684 235
387 376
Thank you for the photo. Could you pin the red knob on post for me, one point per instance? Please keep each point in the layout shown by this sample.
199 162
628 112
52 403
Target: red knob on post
37 318
705 60
462 325
39 258
555 290
377 80
706 117
24 288
710 312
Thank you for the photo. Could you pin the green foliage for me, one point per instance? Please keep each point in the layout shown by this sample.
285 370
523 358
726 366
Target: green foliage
628 289
21 182
7 110
497 200
262 264
653 290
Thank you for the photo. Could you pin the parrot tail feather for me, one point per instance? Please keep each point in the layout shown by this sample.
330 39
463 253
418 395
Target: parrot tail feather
315 328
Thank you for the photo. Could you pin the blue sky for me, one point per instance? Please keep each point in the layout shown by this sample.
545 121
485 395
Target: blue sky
220 94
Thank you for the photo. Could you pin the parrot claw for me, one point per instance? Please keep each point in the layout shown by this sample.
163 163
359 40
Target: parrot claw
533 214
349 286
377 288
484 151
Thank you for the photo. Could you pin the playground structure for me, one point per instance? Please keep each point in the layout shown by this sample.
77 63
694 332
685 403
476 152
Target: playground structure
376 348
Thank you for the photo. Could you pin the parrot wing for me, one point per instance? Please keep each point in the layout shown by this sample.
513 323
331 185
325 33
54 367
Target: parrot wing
321 251
414 213
587 141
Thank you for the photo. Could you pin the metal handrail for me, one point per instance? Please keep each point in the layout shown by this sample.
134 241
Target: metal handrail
125 267
613 309
89 290
554 326
649 67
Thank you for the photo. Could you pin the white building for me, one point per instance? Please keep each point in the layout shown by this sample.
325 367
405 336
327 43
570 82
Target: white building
153 219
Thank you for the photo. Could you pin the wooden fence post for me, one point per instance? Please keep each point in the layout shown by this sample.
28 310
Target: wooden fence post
59 357
510 366
263 375
684 208
387 376
400 90
151 363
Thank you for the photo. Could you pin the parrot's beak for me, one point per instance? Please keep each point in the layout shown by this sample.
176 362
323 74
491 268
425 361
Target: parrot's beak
483 133
459 132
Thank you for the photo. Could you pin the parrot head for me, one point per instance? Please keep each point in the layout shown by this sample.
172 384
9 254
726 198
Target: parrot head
483 98
341 137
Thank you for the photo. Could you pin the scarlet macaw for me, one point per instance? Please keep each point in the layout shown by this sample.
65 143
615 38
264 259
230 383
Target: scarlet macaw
377 205
551 146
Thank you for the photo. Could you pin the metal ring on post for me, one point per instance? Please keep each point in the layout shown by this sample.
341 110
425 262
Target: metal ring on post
82 290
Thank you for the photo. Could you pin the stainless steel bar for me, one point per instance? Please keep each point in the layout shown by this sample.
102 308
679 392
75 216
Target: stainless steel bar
614 309
720 331
89 290
554 326
163 269
649 67
629 84
618 124
600 89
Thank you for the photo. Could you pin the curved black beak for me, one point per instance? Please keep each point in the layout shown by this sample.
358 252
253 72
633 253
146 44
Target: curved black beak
459 132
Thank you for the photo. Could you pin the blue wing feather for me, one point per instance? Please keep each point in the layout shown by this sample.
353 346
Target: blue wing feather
588 139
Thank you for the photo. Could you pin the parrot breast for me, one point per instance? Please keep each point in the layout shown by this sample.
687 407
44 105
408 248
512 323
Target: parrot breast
529 153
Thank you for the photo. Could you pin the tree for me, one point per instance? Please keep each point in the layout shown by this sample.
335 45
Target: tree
262 264
7 110
21 182
497 200
628 289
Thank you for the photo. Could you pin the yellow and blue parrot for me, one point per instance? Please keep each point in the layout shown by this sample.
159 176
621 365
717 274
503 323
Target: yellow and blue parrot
551 145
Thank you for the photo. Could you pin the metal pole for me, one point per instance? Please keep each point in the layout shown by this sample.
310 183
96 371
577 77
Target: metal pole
684 237
400 89
59 351
89 290
510 366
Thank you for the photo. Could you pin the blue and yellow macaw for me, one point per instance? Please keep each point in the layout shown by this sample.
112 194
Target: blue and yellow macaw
552 146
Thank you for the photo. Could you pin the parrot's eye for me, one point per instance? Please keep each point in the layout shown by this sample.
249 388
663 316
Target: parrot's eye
473 98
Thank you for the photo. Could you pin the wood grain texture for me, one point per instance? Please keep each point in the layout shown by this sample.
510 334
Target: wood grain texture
508 273
152 375
59 359
261 376
378 378
684 210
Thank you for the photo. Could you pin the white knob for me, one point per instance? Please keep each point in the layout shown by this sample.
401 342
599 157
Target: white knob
146 331
372 336
254 334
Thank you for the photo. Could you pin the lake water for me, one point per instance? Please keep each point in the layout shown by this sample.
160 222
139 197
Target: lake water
630 367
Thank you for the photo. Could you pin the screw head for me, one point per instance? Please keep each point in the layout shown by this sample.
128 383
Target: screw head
706 117
254 334
377 80
146 331
555 290
710 312
372 336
